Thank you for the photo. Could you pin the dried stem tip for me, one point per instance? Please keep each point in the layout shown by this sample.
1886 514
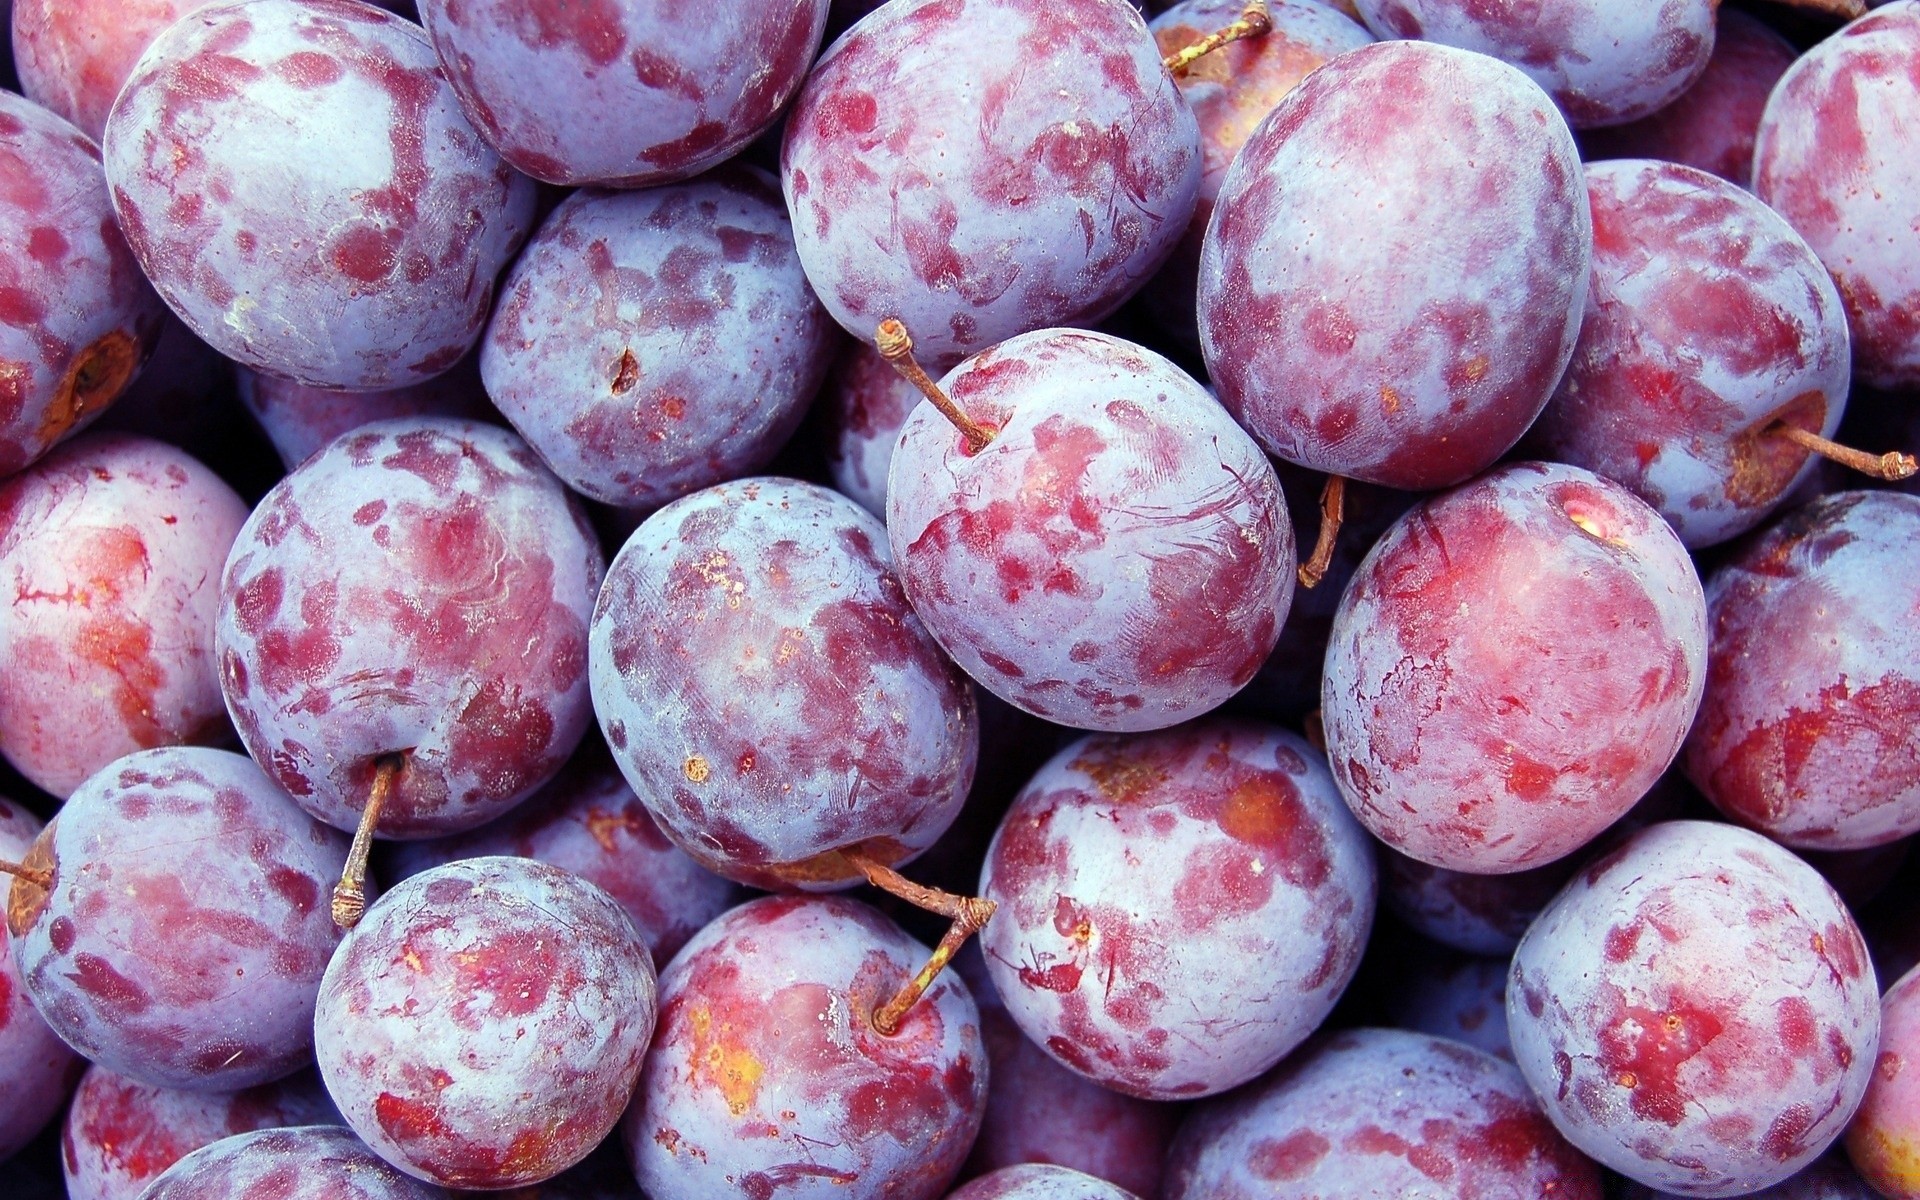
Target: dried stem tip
1253 22
968 915
350 894
37 876
896 346
1333 507
1892 466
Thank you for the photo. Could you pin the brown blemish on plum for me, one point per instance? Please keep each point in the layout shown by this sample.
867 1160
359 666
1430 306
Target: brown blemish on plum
1763 464
626 373
33 884
95 380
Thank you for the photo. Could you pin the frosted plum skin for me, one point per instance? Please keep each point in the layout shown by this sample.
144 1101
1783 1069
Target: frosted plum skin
1119 557
196 974
421 586
36 1067
1807 729
1040 1182
981 168
368 267
300 420
649 344
768 691
306 1162
766 1076
111 548
1471 721
1829 1178
864 407
619 94
1427 326
1696 1010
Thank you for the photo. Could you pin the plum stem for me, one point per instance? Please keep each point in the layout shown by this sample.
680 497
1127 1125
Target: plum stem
896 346
968 915
1846 10
1333 508
37 876
1893 466
1254 21
350 894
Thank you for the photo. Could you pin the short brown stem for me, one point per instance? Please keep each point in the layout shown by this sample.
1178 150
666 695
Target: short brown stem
1845 10
1892 466
1333 508
350 894
896 346
36 876
967 915
1254 22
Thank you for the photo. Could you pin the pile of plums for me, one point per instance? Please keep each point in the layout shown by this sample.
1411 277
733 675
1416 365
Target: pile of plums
959 599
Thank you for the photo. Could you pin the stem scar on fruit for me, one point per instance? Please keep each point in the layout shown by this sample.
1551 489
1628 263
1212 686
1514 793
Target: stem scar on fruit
350 894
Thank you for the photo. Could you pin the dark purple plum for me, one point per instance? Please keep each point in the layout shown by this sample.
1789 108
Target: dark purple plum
184 396
306 1162
1457 996
768 691
1039 1182
619 93
365 260
649 344
300 420
864 407
1696 1010
1480 914
36 1067
173 924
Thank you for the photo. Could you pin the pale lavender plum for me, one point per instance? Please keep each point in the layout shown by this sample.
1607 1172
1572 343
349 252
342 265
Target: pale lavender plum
1379 1112
770 694
1829 1178
77 320
119 1134
623 94
1119 556
484 1025
306 1162
588 821
1231 90
421 587
183 936
864 407
299 420
1394 276
981 168
366 259
1713 124
1709 323
1038 1182
1838 156
1603 63
1696 1010
1040 1112
1883 1140
36 1067
1457 996
766 1076
1178 910
110 551
649 344
1480 914
1810 727
1512 669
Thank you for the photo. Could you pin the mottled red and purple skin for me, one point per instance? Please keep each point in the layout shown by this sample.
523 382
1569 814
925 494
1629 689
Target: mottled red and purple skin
1039 1182
1040 1112
366 267
1713 124
865 405
588 821
36 1067
1808 731
649 344
110 557
767 1078
483 1026
1231 90
981 168
192 969
299 420
1118 558
1512 668
1378 1112
1395 272
1883 1139
119 1135
1838 156
77 319
582 92
1829 1178
1177 911
1708 321
1603 62
1457 996
770 694
306 1162
421 587
1696 1010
